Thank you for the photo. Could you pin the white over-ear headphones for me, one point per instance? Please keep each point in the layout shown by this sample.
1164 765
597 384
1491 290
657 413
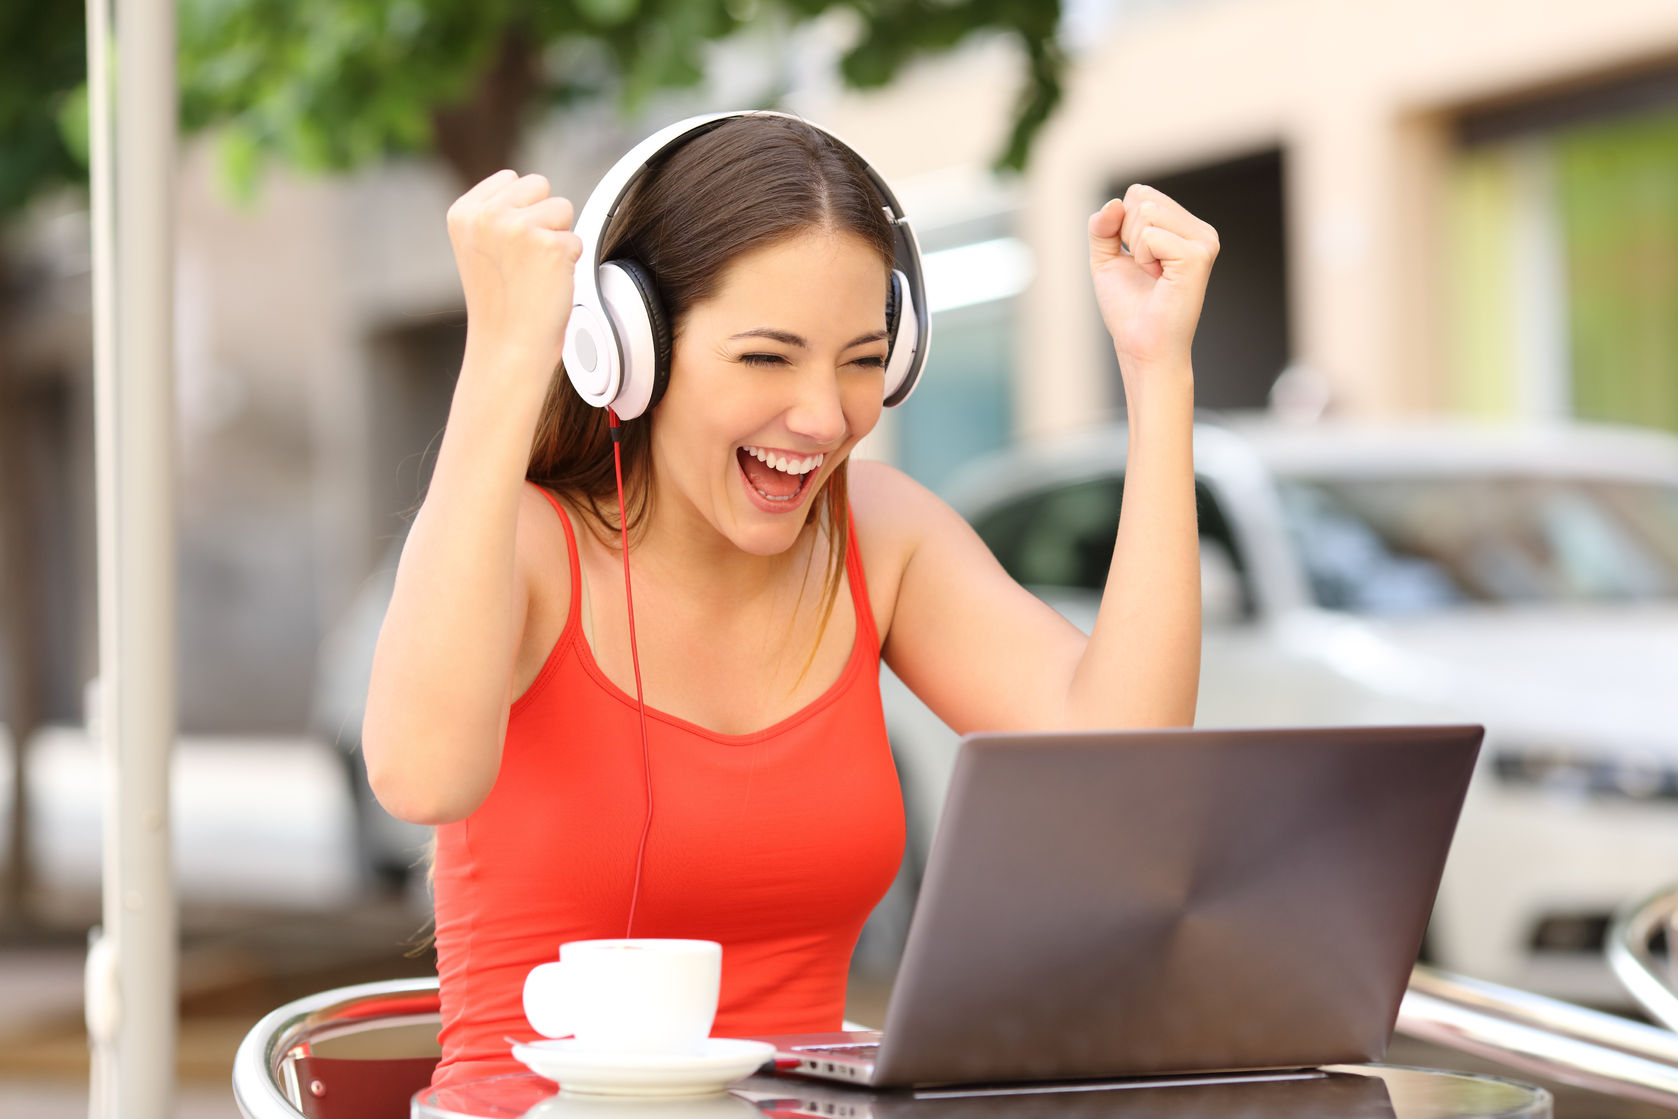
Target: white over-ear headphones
617 341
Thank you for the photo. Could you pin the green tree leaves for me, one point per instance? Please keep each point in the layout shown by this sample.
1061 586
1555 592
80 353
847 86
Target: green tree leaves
330 85
43 63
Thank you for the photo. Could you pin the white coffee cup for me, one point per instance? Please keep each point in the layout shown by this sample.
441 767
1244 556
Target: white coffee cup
640 995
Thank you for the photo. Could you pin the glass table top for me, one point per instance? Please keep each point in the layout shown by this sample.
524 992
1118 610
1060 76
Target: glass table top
1342 1092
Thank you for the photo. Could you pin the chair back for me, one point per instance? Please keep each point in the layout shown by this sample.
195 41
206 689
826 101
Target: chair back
361 1087
380 1042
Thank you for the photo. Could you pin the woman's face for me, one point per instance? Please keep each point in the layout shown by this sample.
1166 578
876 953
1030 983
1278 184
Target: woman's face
784 363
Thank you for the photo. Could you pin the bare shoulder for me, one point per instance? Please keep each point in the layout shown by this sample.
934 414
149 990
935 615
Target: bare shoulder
890 505
895 515
537 520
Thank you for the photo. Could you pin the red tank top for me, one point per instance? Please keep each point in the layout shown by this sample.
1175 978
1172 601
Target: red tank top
778 844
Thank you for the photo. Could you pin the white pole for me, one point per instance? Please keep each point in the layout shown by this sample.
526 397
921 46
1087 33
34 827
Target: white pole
131 994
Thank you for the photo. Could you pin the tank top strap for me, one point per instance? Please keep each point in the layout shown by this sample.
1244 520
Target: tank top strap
575 607
859 583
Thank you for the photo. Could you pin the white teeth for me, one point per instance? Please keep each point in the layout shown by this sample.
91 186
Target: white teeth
784 464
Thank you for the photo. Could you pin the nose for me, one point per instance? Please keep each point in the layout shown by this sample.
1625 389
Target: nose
817 413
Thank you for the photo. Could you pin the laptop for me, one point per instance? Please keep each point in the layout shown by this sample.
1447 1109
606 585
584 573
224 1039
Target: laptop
1145 903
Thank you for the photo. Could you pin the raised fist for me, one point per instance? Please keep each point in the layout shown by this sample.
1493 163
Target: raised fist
1150 260
517 256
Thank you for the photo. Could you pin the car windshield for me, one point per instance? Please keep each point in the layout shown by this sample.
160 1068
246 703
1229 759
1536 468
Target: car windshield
1410 545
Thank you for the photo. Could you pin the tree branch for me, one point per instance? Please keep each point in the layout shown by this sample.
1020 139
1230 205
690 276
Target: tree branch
476 137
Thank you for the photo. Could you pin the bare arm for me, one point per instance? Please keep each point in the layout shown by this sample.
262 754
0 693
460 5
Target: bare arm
1150 260
437 701
439 695
1141 667
986 654
974 645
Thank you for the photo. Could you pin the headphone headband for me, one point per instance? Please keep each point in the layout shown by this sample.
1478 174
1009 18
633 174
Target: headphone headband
594 354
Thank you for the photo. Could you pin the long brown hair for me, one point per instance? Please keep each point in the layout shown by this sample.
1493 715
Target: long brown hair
744 184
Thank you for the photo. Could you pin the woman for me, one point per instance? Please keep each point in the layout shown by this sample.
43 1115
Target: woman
770 577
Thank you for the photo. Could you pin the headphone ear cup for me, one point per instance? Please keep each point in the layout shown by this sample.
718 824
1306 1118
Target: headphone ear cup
903 329
894 296
631 298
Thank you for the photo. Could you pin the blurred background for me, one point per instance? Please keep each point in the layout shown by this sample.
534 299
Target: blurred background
1438 361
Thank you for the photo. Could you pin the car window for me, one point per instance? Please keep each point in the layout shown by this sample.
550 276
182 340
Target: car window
1409 545
1063 536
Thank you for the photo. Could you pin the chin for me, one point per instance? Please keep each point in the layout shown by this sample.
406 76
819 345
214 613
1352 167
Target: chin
773 538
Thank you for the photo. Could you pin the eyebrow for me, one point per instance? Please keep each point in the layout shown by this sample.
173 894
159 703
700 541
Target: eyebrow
786 337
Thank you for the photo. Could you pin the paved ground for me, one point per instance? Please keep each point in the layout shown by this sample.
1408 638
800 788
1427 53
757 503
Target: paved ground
235 968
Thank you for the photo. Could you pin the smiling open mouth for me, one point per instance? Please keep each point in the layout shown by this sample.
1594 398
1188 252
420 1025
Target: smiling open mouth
776 478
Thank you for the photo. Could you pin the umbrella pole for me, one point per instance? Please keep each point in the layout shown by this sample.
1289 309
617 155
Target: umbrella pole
132 1004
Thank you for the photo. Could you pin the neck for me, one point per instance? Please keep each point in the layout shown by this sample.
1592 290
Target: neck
682 549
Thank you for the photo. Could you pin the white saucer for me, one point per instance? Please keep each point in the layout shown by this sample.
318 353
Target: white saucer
720 1062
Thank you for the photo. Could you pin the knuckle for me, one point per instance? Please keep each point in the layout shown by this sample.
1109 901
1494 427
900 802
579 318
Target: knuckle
470 224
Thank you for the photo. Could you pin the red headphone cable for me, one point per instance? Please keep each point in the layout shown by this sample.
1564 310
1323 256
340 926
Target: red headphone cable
613 424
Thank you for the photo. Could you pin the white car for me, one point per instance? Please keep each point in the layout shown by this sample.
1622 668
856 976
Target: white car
1526 579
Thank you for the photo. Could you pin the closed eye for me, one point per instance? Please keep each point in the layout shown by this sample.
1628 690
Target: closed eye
875 362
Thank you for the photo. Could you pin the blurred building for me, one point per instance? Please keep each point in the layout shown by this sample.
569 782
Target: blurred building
1436 205
1462 205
